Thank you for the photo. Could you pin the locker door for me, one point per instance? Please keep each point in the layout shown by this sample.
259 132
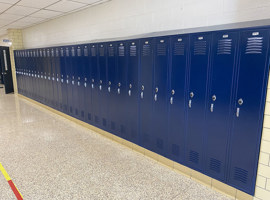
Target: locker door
224 52
159 98
132 104
53 79
87 85
30 70
178 97
68 67
35 75
200 51
79 83
112 86
248 108
38 76
44 77
94 85
64 80
49 78
146 97
102 65
121 91
74 78
58 79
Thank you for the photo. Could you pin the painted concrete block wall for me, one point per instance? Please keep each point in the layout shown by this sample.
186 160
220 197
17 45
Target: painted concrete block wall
263 178
120 18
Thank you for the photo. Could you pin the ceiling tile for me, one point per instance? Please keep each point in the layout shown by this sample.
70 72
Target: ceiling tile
36 3
30 20
46 14
66 6
21 10
4 6
6 16
9 1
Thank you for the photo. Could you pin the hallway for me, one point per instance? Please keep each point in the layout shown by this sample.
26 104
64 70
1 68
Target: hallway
50 157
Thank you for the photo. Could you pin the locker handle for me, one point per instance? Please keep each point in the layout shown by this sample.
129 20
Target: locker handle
92 85
237 112
62 80
79 83
118 90
189 103
155 97
212 107
85 84
57 79
109 89
67 81
129 92
72 82
100 87
171 100
141 95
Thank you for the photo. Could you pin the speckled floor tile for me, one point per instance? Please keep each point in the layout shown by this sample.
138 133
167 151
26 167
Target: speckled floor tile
49 157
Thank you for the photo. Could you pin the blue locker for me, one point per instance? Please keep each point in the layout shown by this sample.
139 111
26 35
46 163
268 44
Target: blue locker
160 97
224 54
35 75
146 96
121 79
53 80
58 79
64 81
80 83
132 99
43 76
248 107
94 85
103 95
199 64
49 78
87 84
112 86
74 82
178 97
69 79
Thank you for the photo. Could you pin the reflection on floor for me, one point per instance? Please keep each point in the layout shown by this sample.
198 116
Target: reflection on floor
49 157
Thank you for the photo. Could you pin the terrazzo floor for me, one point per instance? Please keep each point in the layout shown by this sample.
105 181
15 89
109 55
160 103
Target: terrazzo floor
50 157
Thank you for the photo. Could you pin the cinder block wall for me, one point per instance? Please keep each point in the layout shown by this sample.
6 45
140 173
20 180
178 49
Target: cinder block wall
120 18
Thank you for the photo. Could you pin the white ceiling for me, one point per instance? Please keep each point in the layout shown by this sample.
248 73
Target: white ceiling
25 13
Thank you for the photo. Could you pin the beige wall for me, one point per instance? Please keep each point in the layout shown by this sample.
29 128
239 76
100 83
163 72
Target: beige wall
15 36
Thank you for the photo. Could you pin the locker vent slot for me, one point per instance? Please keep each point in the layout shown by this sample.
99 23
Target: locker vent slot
159 143
179 49
111 51
67 52
254 45
93 52
121 51
194 156
224 47
200 48
82 114
146 50
79 52
240 174
89 116
161 49
215 165
175 149
85 52
101 51
113 125
61 52
133 50
72 52
104 122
